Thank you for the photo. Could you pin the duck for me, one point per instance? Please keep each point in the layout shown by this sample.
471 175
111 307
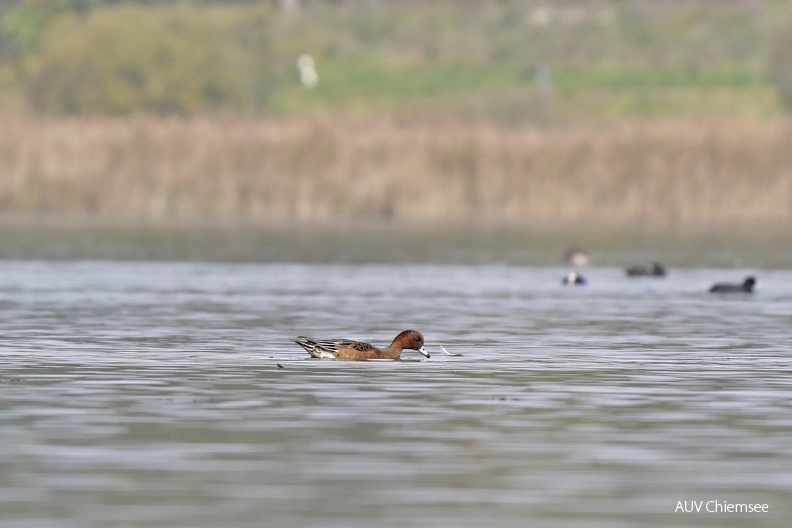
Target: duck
652 269
747 286
347 349
573 278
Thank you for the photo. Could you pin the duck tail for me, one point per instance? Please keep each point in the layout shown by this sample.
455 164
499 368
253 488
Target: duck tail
317 348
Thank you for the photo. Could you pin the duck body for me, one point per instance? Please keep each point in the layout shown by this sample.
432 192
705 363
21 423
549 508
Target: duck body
653 269
347 349
747 286
573 279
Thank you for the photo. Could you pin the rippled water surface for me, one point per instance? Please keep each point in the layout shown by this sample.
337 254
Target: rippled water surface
143 393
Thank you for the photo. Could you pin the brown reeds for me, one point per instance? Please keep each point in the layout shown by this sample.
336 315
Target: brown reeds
674 174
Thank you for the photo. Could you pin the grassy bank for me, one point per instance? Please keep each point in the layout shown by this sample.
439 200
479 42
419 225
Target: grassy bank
654 175
507 61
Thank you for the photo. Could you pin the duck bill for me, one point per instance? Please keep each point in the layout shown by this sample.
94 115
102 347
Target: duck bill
423 351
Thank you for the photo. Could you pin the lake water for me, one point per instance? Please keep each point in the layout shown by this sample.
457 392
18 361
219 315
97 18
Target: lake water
166 392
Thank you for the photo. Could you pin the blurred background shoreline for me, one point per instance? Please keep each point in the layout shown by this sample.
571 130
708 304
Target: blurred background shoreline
640 116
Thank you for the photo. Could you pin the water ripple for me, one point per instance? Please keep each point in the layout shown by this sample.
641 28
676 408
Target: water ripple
170 394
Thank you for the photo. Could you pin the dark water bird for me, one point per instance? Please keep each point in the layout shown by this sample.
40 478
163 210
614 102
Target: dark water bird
573 278
577 257
747 286
652 269
357 350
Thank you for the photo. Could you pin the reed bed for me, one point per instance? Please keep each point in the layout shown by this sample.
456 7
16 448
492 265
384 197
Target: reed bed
673 174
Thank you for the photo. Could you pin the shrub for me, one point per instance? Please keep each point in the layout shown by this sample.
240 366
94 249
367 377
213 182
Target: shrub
166 60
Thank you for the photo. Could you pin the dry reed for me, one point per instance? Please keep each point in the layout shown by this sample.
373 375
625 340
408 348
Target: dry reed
675 174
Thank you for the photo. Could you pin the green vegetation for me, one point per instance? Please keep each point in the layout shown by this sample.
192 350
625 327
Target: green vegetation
166 60
668 111
607 58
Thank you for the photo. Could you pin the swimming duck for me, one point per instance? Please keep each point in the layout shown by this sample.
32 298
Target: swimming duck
357 350
573 278
747 286
653 269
